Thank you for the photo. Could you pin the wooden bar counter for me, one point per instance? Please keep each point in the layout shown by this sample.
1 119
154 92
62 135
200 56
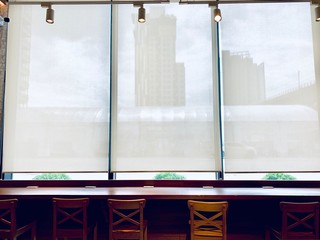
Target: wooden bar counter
167 193
251 203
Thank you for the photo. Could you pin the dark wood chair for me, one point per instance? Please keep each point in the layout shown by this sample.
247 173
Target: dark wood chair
300 220
70 219
126 219
9 228
208 220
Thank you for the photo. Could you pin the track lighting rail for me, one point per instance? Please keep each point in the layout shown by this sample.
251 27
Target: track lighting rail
142 12
139 2
214 2
86 2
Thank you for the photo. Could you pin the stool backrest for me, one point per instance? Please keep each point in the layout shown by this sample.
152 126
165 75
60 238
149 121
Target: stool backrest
300 220
208 219
8 222
10 228
70 217
126 219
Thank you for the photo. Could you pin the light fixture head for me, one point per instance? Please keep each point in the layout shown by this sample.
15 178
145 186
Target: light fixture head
141 14
317 13
217 15
50 15
50 12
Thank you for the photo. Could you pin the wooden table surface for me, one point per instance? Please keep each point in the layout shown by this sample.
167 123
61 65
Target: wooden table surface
170 193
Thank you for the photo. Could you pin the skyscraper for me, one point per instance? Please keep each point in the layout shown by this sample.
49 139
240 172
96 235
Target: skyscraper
243 80
159 79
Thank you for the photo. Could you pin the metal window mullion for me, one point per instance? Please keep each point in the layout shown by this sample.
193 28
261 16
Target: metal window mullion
217 96
114 89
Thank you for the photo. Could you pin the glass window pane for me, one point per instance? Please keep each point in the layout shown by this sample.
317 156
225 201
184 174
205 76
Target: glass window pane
165 91
270 94
57 90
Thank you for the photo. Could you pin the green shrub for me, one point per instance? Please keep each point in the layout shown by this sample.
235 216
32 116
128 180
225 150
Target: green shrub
278 176
52 176
169 176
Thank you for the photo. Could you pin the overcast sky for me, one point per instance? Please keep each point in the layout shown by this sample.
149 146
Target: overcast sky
278 35
76 49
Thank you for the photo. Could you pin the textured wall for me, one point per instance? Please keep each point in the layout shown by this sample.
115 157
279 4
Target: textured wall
3 40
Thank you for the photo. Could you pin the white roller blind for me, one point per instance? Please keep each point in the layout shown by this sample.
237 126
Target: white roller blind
270 87
57 90
164 110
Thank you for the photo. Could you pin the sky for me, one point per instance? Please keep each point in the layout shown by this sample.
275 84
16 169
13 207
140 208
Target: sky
70 59
193 49
278 35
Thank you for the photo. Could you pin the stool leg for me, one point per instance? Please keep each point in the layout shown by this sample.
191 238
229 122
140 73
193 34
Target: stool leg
267 234
34 231
95 232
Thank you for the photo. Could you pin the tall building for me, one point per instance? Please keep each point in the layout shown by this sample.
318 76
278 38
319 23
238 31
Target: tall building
243 80
159 79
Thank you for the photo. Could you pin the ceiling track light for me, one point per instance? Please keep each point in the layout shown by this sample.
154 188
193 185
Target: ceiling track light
141 14
217 17
317 13
50 15
50 12
217 14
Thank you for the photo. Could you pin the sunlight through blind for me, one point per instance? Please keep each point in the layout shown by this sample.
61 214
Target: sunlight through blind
270 74
164 108
57 90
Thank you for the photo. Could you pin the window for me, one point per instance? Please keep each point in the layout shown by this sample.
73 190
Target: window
57 90
269 85
153 105
164 109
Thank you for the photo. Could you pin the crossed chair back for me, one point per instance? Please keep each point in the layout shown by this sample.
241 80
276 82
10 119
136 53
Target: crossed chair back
300 220
8 221
126 219
70 219
208 220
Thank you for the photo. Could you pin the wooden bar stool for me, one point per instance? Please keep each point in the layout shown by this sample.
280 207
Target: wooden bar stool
70 219
208 220
9 226
299 221
126 220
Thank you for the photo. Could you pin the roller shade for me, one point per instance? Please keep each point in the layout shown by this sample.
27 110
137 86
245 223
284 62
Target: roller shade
270 76
57 90
166 91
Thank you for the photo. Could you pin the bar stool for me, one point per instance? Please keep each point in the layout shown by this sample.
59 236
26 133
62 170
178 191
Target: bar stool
126 220
208 220
70 219
300 220
9 228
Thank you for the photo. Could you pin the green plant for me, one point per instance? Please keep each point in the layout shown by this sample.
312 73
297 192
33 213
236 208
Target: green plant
169 175
278 176
52 176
